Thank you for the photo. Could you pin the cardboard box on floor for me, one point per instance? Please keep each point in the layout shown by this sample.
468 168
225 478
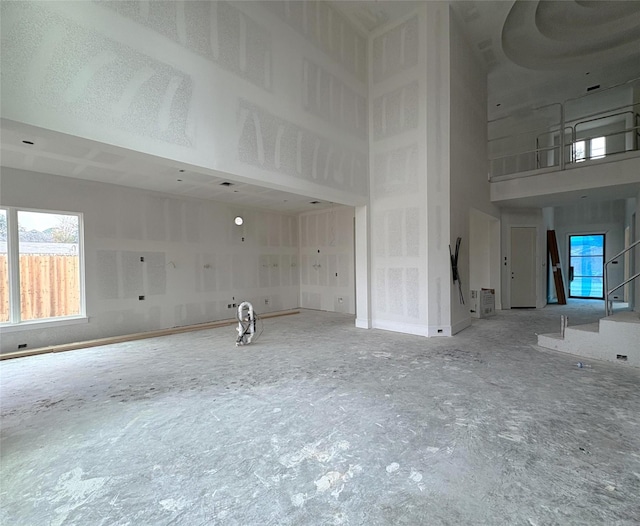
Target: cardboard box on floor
483 303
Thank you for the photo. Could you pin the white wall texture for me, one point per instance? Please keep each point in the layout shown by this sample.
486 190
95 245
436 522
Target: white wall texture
327 273
397 142
428 157
261 90
196 261
468 165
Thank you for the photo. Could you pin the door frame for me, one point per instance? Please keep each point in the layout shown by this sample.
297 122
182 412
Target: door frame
604 258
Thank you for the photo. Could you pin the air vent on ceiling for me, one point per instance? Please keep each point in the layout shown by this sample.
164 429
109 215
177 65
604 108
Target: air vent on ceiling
226 183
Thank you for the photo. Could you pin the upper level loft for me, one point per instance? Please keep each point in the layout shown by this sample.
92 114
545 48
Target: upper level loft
601 125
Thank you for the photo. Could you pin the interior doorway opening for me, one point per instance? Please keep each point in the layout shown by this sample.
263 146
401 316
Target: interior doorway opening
586 266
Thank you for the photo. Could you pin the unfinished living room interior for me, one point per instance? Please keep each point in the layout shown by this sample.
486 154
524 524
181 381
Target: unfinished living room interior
320 263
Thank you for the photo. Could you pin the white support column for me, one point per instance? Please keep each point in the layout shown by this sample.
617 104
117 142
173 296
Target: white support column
363 268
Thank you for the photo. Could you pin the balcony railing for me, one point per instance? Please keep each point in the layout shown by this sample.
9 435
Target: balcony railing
560 135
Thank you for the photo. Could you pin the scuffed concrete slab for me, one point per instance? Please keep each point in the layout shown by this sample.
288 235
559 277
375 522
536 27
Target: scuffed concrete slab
322 423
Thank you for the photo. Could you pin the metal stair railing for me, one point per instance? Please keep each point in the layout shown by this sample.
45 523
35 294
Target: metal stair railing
608 304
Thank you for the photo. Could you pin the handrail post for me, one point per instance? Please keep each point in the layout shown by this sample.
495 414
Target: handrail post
606 291
608 305
562 145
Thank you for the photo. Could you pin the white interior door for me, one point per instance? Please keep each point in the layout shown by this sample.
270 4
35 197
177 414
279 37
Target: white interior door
523 267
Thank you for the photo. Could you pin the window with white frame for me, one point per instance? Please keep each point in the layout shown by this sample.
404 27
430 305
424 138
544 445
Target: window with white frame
598 148
41 258
595 148
579 152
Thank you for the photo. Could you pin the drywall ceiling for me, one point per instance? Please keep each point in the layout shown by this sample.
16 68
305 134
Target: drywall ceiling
536 52
541 52
70 156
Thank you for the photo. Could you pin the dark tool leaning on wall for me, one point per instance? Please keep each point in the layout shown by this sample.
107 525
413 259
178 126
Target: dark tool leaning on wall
454 268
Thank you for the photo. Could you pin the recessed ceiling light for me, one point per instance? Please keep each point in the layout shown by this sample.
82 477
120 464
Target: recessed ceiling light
181 171
591 88
179 180
226 183
27 142
498 105
238 220
314 202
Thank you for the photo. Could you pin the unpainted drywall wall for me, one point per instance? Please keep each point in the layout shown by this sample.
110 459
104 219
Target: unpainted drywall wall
196 260
327 273
397 143
469 187
271 91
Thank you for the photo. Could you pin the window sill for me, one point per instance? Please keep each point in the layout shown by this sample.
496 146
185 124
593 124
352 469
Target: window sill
42 324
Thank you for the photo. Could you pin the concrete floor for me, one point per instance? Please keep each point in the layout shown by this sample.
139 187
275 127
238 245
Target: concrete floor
322 423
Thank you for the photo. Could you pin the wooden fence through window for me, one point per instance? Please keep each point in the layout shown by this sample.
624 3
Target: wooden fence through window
49 286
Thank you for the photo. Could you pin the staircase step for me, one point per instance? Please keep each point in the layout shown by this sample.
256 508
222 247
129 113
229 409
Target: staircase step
613 339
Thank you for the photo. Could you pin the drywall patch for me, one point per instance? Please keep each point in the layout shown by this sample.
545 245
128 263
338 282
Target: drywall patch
396 172
412 232
396 112
395 220
132 274
62 66
155 270
380 297
396 50
217 31
328 30
276 145
395 290
107 269
326 96
412 292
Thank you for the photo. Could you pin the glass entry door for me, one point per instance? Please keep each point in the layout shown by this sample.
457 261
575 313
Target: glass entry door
586 266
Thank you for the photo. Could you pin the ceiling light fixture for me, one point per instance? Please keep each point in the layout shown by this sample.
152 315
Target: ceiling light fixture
181 171
238 220
226 183
28 142
314 202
